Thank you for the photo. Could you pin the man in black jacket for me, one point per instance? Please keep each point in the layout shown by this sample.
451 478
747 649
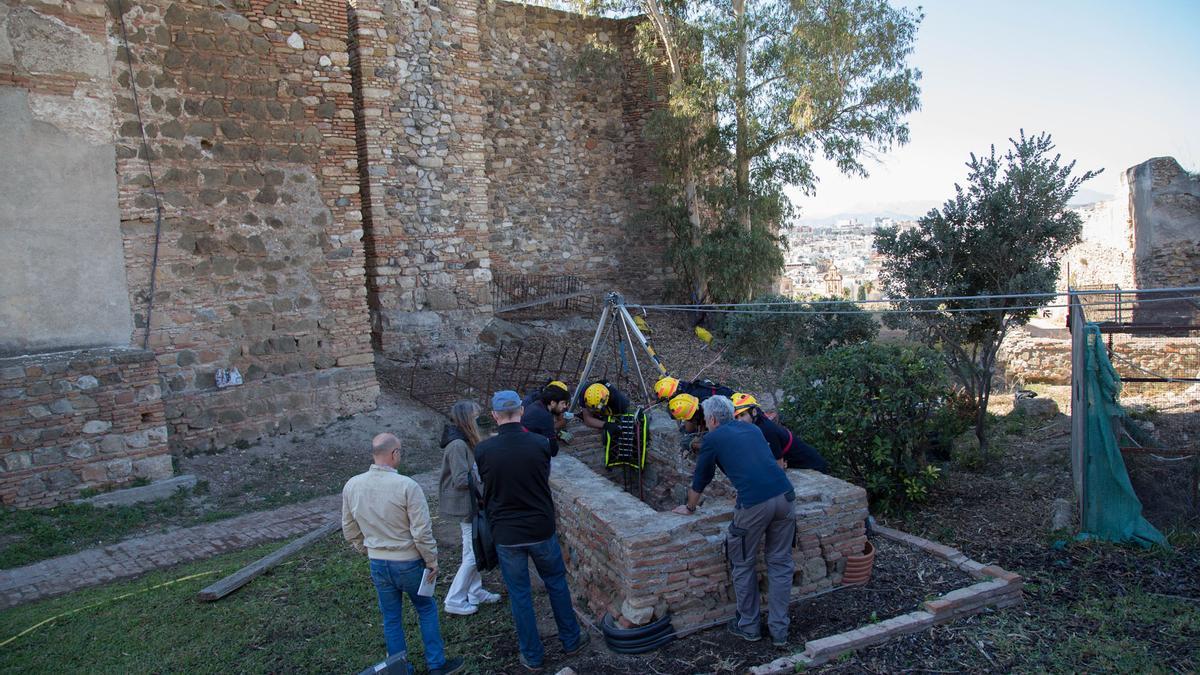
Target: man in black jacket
515 468
544 412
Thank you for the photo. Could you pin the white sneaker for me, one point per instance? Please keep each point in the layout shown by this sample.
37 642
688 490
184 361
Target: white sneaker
489 598
461 611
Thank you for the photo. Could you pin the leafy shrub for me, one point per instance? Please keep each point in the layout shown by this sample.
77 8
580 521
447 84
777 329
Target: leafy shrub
777 339
869 408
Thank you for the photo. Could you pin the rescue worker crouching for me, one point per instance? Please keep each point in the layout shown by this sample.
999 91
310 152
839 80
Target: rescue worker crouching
789 451
602 404
544 412
685 409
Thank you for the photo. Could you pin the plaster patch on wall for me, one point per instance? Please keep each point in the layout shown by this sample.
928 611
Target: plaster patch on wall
44 44
80 115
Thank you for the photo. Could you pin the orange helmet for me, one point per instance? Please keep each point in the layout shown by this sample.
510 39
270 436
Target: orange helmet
666 387
742 403
683 407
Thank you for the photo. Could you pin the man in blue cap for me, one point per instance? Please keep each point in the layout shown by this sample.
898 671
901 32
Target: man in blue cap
515 468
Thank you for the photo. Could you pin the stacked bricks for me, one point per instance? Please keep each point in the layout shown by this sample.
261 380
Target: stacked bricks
632 559
79 420
419 67
249 116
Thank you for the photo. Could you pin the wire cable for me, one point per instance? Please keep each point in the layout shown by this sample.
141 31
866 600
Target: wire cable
939 298
723 309
158 208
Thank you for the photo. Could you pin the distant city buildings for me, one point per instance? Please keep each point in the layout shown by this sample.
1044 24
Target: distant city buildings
836 260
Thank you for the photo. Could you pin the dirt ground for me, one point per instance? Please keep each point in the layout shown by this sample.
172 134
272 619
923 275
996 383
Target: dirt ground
298 466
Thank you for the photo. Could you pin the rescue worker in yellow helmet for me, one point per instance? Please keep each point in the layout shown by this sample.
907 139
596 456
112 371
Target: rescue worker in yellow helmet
667 387
685 409
789 451
601 403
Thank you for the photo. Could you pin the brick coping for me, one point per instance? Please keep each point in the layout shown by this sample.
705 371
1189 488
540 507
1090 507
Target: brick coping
994 587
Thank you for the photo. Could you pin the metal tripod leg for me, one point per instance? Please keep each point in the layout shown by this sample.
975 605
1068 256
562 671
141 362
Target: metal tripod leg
591 357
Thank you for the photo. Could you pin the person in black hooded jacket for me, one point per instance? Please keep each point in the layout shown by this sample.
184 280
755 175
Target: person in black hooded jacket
455 501
544 412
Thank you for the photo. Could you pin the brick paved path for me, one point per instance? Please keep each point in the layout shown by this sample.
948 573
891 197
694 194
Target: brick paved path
133 557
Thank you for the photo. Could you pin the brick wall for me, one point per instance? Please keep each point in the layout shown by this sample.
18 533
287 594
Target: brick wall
625 555
248 110
70 421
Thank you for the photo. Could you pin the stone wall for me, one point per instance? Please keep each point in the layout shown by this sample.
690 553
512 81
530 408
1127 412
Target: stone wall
425 188
489 144
56 163
79 420
1026 359
1164 206
569 167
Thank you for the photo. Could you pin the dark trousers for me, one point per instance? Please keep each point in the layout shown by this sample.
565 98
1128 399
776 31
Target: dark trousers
775 520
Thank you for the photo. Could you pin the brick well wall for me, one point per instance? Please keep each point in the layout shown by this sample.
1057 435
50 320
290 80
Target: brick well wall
622 551
75 420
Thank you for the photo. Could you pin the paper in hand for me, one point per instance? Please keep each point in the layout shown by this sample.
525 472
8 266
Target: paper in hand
427 581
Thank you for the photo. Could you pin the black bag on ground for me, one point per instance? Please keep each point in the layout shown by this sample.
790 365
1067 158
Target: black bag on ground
482 543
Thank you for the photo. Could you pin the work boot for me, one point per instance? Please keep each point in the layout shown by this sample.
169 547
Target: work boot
740 632
584 639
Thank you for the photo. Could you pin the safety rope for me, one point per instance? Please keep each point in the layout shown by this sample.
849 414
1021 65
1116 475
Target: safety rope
105 602
158 208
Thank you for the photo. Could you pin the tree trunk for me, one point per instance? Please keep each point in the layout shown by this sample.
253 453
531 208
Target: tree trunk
742 140
691 198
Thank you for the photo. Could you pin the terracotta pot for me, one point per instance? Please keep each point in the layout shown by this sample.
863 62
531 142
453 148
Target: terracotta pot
858 567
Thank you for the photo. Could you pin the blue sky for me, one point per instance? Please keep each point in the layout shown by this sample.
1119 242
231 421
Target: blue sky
1115 83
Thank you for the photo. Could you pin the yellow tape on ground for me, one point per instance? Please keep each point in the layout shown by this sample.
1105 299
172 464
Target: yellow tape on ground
104 602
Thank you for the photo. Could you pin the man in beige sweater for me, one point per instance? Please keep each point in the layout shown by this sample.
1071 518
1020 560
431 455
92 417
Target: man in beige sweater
385 515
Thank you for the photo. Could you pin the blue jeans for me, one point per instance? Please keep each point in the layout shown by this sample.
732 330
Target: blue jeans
393 579
514 567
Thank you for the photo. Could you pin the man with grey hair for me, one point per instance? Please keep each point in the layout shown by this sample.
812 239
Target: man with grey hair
386 516
763 508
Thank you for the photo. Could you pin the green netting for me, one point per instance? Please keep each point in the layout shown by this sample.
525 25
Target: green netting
1111 509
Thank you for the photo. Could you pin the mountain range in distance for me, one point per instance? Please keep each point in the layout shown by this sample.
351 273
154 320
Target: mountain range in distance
914 209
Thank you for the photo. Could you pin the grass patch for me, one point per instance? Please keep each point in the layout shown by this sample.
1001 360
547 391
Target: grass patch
315 613
36 534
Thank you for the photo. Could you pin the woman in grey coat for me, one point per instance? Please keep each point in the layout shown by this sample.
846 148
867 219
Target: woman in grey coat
454 501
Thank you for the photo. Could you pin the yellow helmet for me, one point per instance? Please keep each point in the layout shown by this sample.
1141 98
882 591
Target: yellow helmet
742 403
560 385
684 406
595 396
666 387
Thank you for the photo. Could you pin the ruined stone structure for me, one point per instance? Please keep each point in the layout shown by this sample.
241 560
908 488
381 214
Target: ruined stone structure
1148 236
633 557
329 179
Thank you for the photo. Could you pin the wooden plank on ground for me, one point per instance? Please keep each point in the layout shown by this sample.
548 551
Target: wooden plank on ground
243 576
